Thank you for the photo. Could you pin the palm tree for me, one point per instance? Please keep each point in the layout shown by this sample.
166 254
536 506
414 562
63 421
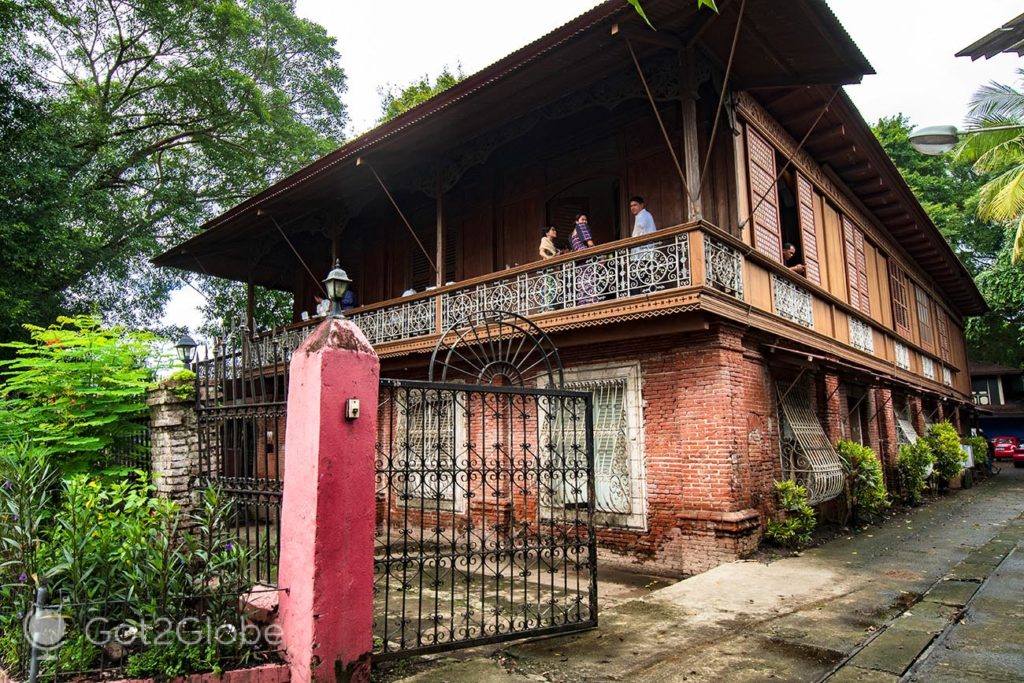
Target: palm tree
1000 152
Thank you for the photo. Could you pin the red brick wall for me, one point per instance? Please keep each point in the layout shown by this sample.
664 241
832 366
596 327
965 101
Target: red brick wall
711 447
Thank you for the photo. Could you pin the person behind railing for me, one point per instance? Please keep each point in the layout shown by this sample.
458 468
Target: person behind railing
643 221
791 260
586 271
581 238
640 256
547 247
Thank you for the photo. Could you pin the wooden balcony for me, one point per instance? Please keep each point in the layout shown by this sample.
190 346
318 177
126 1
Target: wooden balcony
695 267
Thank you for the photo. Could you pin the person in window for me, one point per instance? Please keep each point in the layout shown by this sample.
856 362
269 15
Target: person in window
547 243
643 221
791 260
581 237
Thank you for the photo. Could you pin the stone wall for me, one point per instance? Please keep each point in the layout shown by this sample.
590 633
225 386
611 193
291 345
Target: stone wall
174 444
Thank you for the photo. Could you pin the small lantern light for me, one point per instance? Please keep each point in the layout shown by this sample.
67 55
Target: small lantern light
336 283
186 349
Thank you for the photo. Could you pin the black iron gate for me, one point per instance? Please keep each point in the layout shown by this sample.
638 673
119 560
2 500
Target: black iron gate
485 482
485 504
241 403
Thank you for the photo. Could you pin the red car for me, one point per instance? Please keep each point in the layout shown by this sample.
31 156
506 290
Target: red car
1005 447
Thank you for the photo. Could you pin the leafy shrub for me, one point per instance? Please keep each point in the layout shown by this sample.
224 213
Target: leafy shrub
182 383
75 388
112 549
796 523
979 447
864 476
914 462
945 444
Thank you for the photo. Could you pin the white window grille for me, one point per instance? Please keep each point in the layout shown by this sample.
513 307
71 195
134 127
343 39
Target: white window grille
861 335
723 267
431 457
792 302
902 356
807 455
620 481
905 432
947 376
927 367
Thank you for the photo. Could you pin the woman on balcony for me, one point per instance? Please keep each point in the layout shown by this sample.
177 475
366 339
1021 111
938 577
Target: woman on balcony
588 273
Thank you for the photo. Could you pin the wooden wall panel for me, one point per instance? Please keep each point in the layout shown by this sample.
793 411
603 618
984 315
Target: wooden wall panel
758 287
822 240
871 269
823 317
837 280
842 323
883 313
654 178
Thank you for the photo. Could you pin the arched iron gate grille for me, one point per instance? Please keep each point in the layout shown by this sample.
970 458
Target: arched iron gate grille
485 506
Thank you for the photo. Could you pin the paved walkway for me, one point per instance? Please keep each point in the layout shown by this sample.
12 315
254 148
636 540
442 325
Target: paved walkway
875 606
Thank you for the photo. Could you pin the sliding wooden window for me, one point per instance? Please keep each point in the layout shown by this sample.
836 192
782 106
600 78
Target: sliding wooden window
924 315
856 267
942 323
900 299
764 196
808 227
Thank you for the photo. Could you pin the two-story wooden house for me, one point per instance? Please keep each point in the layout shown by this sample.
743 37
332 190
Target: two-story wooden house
715 367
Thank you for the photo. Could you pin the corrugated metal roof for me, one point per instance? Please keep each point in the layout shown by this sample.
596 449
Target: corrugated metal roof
1008 38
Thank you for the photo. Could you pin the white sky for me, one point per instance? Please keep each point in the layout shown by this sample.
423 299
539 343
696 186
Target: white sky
910 43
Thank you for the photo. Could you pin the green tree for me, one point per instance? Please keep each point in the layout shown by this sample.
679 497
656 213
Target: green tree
395 101
226 303
125 124
1001 153
949 188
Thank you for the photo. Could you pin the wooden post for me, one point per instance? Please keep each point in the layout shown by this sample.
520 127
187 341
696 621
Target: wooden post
691 149
440 232
250 306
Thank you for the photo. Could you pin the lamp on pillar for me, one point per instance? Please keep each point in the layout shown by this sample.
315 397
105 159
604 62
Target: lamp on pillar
185 347
336 284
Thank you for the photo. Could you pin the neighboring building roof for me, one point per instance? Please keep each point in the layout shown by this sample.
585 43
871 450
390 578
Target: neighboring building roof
797 45
983 369
1008 38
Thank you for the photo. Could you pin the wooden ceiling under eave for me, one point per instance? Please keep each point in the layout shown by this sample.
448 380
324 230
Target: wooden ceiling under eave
844 144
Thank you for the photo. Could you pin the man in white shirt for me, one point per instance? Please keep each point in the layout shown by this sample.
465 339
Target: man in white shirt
643 222
641 258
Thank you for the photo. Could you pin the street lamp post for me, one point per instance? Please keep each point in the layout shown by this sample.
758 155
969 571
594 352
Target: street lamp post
938 140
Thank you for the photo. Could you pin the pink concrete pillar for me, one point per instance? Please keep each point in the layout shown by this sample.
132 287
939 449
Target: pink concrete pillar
327 516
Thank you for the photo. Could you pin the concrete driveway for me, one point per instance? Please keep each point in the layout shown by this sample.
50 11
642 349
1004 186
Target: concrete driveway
931 593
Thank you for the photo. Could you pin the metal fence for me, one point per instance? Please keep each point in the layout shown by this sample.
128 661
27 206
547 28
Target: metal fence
131 449
241 405
485 506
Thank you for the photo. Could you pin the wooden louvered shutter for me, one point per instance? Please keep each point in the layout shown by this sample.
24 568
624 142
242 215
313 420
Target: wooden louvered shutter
850 247
805 199
764 196
862 272
943 325
856 267
900 299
